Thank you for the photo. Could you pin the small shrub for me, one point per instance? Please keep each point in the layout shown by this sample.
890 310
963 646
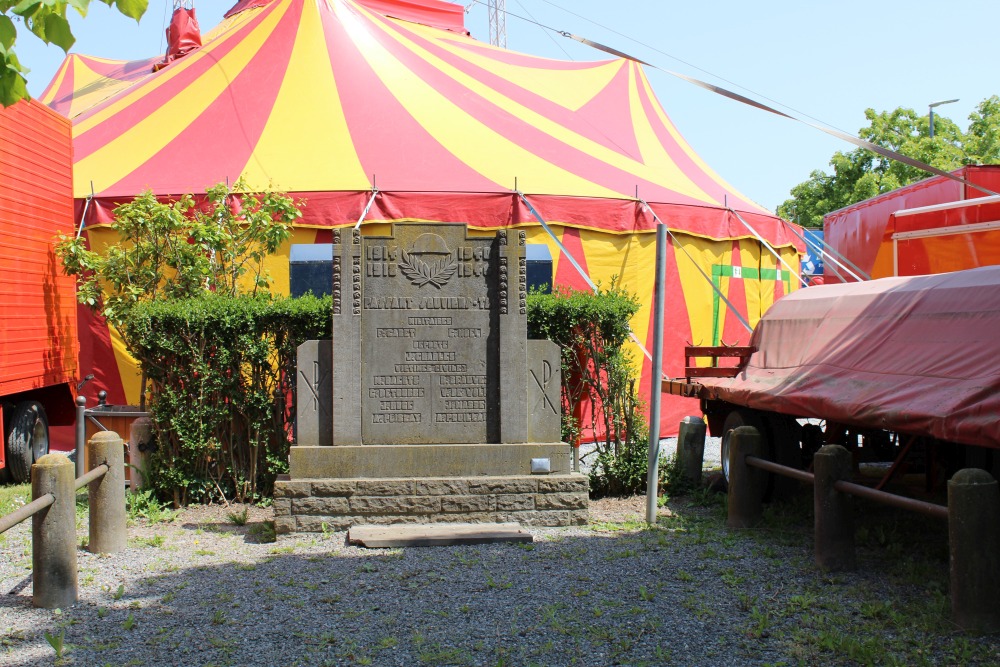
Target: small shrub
599 379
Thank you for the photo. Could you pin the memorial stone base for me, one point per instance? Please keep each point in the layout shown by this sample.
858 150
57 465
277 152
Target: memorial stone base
396 484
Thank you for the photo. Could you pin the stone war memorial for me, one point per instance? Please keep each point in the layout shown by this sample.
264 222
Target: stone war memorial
430 404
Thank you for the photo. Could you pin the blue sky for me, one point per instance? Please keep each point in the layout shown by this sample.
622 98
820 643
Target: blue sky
829 60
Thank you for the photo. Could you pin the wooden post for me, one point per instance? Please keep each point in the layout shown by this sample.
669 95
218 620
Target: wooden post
107 494
53 533
834 515
745 507
691 449
974 544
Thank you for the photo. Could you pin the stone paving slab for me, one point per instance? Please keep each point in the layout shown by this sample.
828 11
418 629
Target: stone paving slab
436 535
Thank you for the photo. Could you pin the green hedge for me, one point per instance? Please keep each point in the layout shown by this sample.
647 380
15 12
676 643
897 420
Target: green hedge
593 328
220 370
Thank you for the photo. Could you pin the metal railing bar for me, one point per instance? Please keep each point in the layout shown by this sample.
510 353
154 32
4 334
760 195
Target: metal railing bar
96 473
779 469
902 502
26 512
868 493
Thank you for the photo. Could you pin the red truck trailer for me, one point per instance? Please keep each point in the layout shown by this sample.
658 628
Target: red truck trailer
903 370
933 226
38 332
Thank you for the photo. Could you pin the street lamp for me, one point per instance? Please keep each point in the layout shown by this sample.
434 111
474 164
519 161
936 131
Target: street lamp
931 108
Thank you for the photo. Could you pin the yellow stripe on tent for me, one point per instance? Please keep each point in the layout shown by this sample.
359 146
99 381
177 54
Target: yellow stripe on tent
548 126
126 152
653 153
287 154
684 146
493 155
569 88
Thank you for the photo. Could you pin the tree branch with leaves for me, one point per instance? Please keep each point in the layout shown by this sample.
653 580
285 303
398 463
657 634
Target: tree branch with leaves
46 19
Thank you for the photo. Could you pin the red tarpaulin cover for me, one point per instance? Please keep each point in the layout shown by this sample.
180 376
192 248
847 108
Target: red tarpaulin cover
917 355
183 36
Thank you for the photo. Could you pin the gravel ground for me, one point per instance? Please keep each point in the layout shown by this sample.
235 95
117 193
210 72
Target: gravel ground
201 590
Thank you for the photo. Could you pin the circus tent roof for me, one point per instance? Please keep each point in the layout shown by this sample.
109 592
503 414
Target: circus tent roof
332 98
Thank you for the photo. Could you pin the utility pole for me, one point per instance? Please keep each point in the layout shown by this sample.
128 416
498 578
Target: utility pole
498 23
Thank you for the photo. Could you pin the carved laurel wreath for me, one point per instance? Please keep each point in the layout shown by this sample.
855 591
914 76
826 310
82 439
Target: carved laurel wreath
420 273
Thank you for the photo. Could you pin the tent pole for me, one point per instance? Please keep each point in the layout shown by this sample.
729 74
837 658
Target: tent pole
368 206
86 205
655 390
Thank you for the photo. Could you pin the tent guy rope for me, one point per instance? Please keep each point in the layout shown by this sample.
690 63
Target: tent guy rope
743 99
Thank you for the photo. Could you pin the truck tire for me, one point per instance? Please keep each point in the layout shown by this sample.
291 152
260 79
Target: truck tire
27 439
786 449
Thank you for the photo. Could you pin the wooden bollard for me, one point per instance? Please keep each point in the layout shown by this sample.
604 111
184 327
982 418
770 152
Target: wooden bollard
744 499
107 494
974 543
691 448
53 533
833 509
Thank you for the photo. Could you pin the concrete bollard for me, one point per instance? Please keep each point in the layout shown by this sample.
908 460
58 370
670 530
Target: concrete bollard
691 449
53 533
139 440
107 494
833 509
974 543
744 499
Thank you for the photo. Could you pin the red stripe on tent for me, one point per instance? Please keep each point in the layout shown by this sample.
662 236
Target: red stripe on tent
683 159
733 332
676 334
233 120
191 69
605 119
566 273
377 120
541 144
607 107
62 98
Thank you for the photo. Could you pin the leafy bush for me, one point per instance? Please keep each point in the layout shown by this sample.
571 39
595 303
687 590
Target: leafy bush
592 329
220 371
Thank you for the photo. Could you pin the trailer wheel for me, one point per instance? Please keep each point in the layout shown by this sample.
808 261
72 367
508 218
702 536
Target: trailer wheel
785 449
27 439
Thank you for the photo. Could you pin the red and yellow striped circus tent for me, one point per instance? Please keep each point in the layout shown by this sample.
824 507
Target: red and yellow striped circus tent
346 103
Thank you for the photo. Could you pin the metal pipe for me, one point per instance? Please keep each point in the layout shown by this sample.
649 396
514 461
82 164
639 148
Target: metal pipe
655 395
81 433
25 512
902 502
868 493
778 469
91 476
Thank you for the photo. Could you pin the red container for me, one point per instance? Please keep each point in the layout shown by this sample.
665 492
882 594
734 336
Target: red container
38 333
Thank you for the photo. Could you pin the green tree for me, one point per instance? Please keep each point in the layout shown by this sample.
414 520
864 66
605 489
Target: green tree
180 249
861 174
46 19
